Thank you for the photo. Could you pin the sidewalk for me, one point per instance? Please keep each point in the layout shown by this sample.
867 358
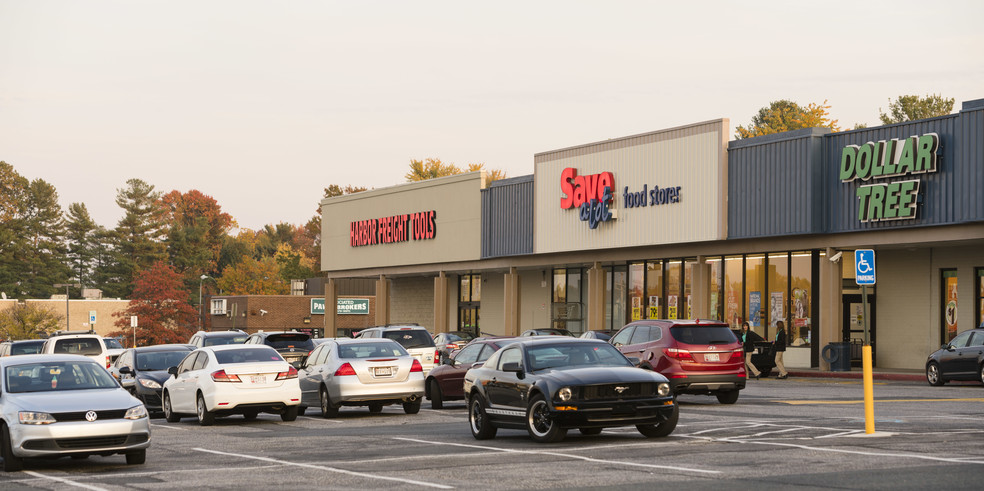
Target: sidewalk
909 375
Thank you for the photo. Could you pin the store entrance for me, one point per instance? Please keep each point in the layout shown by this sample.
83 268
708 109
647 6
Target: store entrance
468 317
853 331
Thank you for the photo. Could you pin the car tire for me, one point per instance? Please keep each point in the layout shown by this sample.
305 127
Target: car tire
136 457
478 419
289 414
727 396
301 410
11 463
375 407
169 415
205 417
328 408
981 373
590 431
437 401
933 375
662 429
541 427
412 407
250 415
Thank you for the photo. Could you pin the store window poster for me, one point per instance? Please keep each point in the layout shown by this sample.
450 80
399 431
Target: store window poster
754 308
653 307
776 309
671 301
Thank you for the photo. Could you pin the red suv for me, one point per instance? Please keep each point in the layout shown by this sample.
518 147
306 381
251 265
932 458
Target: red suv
697 356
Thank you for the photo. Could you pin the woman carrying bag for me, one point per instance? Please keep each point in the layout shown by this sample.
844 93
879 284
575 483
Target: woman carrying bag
779 346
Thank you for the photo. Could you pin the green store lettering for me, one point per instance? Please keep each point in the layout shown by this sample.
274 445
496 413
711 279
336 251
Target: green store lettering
885 159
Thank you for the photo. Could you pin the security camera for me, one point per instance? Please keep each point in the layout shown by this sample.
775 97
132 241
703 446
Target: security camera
263 312
836 257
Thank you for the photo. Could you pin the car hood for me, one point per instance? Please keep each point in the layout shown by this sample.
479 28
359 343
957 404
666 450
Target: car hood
601 375
158 376
74 400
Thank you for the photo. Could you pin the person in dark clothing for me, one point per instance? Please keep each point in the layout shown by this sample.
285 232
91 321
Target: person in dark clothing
779 346
748 339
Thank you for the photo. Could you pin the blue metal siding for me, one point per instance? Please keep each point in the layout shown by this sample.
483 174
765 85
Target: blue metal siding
507 217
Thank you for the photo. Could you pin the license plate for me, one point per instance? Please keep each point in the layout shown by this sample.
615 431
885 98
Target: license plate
383 371
712 357
257 379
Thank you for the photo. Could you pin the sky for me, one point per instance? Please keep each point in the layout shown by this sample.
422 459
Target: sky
263 104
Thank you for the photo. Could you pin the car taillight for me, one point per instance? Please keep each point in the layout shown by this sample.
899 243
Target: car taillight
107 362
416 367
222 376
451 346
437 355
737 354
289 374
345 369
679 354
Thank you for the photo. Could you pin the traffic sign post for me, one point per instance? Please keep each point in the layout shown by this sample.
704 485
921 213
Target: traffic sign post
133 324
92 321
864 275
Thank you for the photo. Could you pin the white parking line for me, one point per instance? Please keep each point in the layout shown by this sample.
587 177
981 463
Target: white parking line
960 460
323 468
65 481
558 454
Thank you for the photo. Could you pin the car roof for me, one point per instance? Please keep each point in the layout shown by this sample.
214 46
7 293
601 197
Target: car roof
681 322
25 341
341 341
220 333
538 340
29 359
164 347
228 347
395 326
271 333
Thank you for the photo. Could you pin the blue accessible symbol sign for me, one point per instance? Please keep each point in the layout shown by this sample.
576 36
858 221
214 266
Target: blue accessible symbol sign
864 266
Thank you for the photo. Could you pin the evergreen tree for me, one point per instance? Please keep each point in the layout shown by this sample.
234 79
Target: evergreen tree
140 233
46 258
13 242
80 237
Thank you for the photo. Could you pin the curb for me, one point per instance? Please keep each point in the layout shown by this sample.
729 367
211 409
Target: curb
907 377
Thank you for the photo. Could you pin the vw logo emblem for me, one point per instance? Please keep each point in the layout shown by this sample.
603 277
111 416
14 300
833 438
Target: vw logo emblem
91 416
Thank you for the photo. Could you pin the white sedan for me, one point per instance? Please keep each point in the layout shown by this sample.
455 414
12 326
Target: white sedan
231 379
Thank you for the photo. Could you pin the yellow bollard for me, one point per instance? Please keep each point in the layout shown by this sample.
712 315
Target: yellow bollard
869 397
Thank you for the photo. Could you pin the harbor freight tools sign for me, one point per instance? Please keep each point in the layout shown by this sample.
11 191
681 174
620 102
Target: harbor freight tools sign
881 163
393 229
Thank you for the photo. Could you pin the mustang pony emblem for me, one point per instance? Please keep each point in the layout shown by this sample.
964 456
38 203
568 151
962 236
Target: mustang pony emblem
620 389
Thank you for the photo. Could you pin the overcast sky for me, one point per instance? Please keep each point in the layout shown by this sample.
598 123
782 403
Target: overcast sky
262 104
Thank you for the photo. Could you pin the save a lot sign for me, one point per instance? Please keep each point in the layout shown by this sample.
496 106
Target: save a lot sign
881 163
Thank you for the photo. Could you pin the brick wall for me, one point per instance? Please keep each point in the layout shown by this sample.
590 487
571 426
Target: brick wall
412 300
78 312
281 313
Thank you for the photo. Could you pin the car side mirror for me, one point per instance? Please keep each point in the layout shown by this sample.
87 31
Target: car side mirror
948 347
448 361
635 361
514 367
128 382
173 371
125 370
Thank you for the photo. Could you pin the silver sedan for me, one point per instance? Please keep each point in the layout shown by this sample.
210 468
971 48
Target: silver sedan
61 405
361 372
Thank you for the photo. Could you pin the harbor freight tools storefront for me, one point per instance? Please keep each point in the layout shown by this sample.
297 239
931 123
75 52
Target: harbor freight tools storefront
682 223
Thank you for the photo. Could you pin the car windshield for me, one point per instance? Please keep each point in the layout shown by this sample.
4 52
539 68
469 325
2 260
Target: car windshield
78 346
703 334
159 360
57 376
578 355
410 338
459 336
30 348
553 332
247 355
112 343
220 340
292 340
368 350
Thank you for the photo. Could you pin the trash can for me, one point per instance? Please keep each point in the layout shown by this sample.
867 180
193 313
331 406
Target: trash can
838 355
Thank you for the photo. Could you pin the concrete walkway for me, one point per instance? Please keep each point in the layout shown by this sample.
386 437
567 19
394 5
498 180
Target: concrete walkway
857 373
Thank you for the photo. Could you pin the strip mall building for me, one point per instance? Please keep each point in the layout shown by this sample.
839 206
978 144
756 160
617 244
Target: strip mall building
683 223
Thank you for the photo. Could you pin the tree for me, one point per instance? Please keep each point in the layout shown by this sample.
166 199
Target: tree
80 235
140 232
45 259
13 241
253 277
195 234
422 170
293 264
784 115
28 321
160 303
913 107
334 190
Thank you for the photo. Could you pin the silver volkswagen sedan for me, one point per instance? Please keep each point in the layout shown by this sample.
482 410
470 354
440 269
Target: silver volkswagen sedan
67 405
361 372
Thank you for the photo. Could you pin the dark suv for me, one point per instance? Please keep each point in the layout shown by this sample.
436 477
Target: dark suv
697 356
293 346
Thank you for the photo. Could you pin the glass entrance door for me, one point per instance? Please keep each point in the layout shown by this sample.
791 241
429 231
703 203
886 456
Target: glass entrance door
853 331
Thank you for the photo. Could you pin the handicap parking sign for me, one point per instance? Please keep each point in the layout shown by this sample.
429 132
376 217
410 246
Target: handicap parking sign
864 266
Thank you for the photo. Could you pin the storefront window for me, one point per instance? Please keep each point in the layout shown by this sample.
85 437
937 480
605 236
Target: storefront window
674 307
801 290
616 314
688 280
636 284
560 285
465 288
733 270
778 289
654 289
949 307
567 311
469 303
754 293
717 307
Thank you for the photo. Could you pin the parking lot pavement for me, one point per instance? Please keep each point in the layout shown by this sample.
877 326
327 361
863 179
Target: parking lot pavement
801 432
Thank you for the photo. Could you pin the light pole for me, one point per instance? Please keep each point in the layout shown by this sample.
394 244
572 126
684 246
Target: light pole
201 310
67 285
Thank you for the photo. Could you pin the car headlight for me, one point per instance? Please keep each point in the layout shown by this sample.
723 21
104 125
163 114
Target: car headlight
148 383
35 418
136 412
564 394
663 389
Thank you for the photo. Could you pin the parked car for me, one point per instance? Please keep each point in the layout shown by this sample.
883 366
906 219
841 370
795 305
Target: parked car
603 335
445 382
698 356
143 370
960 359
361 372
547 332
231 379
202 339
55 405
113 349
22 347
293 346
78 343
448 342
548 385
415 339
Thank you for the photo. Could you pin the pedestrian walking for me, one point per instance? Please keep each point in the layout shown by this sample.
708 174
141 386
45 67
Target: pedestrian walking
748 338
779 346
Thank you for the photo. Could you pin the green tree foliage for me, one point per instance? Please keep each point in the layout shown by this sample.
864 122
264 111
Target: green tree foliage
196 231
160 303
253 277
45 258
140 233
293 264
913 107
422 170
80 236
28 321
13 241
784 115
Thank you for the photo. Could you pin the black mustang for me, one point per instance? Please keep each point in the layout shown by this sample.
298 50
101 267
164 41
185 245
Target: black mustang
548 385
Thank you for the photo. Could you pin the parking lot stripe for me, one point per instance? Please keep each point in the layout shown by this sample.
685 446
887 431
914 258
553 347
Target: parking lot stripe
959 460
65 481
806 402
565 455
323 468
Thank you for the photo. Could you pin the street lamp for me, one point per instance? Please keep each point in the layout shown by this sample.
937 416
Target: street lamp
67 285
201 310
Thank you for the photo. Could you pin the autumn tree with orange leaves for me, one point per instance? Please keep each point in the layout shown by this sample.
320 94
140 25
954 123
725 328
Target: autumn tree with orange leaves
785 115
160 303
